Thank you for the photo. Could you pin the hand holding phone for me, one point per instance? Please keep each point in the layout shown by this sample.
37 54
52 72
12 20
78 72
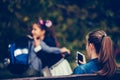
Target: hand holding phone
80 58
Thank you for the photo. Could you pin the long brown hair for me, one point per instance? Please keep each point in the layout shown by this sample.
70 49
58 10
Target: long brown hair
50 32
104 48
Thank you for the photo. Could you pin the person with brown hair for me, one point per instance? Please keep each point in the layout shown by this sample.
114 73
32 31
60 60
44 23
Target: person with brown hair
46 48
99 48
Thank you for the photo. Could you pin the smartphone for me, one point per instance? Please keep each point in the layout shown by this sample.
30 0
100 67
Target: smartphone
80 57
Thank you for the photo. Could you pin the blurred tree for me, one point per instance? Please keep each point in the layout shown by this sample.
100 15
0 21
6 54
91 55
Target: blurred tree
72 19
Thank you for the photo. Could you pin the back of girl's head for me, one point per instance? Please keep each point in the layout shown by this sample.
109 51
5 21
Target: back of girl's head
104 48
96 37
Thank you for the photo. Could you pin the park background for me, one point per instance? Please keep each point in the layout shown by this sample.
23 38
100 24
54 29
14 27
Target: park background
72 20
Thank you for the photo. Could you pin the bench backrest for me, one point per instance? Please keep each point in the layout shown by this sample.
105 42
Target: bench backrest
74 77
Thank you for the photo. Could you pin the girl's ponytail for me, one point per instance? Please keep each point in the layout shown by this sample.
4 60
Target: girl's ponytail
106 57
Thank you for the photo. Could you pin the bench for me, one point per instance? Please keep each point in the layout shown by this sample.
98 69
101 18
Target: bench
73 77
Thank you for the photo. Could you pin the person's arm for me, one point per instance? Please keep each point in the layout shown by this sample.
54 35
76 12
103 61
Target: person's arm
79 70
43 46
49 49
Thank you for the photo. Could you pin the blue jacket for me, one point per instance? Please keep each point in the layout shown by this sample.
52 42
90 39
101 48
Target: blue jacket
91 66
43 57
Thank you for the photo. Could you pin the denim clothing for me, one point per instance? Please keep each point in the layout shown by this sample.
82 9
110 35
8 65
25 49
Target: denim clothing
91 67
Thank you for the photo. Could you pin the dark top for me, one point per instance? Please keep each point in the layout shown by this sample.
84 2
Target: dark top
46 58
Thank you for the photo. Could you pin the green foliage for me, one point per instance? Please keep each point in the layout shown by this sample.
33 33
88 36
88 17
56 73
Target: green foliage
72 20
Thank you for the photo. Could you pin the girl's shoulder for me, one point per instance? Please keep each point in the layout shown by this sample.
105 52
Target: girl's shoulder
50 42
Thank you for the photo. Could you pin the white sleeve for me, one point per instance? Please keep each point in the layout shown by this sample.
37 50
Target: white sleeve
38 48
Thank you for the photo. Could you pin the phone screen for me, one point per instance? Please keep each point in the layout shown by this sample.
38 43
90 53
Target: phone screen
79 57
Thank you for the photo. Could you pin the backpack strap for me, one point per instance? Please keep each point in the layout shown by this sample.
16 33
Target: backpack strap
29 50
11 52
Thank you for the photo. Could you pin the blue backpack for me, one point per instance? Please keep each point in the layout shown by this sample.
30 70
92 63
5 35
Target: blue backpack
18 54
